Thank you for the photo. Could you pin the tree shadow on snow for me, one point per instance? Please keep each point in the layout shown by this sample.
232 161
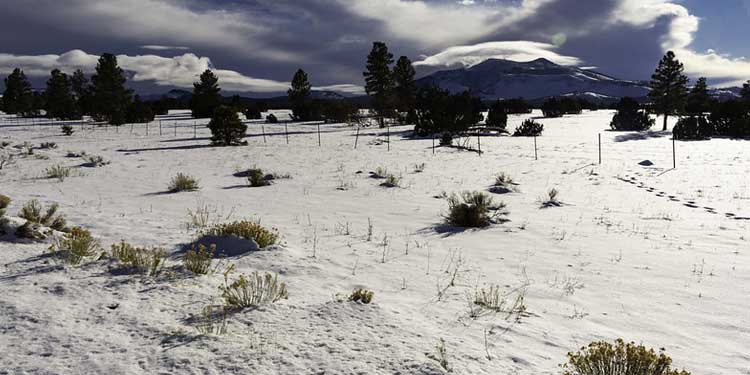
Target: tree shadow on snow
640 136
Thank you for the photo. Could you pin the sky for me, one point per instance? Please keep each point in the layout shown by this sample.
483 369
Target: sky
255 46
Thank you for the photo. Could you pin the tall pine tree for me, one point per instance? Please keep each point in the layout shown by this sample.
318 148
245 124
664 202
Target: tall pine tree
405 92
699 100
110 98
60 103
206 97
299 97
745 92
18 97
668 86
81 91
379 79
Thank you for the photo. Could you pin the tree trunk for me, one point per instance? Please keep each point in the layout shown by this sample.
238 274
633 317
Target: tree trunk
665 122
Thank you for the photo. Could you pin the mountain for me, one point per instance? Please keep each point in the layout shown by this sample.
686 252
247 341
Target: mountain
503 79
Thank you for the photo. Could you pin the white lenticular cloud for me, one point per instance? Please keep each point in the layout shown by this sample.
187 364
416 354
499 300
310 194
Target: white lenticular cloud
177 71
156 47
514 50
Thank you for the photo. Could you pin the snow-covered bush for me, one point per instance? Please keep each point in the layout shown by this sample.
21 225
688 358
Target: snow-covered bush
630 117
473 210
603 358
253 290
529 128
256 177
183 182
249 230
730 119
149 261
692 128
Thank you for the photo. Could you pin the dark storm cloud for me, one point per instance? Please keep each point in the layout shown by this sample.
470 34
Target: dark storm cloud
258 44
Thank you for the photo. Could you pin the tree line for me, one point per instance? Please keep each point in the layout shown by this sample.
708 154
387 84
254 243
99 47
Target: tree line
69 97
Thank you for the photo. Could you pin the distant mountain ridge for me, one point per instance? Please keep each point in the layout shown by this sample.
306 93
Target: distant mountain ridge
504 79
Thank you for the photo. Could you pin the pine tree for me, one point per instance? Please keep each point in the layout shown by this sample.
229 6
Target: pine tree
699 100
379 79
745 92
110 98
299 96
206 97
406 89
226 127
497 117
60 102
18 97
668 86
81 91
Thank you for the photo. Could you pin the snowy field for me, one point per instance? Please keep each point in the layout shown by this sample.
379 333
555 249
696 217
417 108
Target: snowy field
644 253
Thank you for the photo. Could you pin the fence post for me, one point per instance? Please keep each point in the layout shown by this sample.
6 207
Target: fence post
263 130
433 144
195 131
536 155
388 137
479 144
160 128
356 138
147 127
674 154
286 131
318 134
600 148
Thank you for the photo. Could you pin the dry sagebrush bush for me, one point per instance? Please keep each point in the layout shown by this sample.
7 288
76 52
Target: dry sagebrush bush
4 203
148 261
361 295
32 212
552 199
57 171
256 177
76 245
253 290
199 262
473 210
503 184
183 182
246 229
603 358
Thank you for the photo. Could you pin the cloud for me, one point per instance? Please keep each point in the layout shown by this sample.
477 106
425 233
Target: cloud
178 71
515 50
156 47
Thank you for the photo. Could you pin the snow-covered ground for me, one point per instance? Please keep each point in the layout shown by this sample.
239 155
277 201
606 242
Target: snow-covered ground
644 253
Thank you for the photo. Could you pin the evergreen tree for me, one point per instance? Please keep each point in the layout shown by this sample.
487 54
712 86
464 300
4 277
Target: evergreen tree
226 127
406 89
18 97
81 91
110 98
379 79
668 86
139 112
60 102
206 97
299 96
745 92
497 116
630 117
699 100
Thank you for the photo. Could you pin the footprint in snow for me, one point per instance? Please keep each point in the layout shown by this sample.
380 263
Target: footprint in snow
690 205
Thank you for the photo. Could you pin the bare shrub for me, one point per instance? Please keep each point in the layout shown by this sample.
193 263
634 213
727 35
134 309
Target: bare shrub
551 200
199 262
57 171
183 182
32 212
503 184
253 290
